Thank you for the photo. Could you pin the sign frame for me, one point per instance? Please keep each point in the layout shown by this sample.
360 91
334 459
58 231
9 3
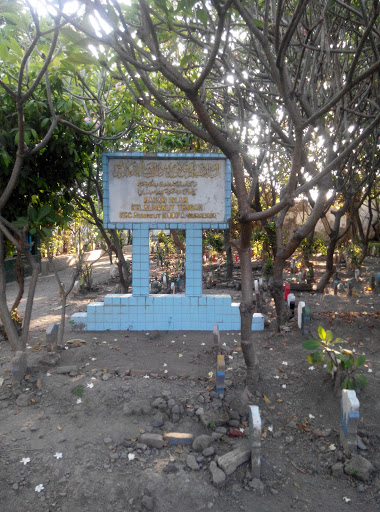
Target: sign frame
164 224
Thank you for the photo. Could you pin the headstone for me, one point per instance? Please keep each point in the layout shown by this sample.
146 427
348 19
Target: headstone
349 421
257 294
164 279
301 305
350 287
286 290
172 286
51 337
220 374
216 334
292 265
291 297
255 440
373 283
204 258
378 283
335 287
306 320
357 274
292 306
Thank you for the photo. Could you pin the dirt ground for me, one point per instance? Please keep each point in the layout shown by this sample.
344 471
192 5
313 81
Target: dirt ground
81 428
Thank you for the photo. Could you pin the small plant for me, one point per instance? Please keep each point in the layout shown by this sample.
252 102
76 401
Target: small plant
78 391
212 425
341 363
268 268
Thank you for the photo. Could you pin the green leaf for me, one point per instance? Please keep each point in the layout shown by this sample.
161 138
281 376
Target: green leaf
361 381
360 361
311 344
329 336
321 333
339 340
330 366
258 23
185 60
32 213
4 52
202 16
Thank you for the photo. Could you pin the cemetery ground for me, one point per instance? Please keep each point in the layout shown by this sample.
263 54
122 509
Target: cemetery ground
79 436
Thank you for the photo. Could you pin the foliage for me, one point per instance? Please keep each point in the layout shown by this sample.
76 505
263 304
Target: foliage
166 243
85 269
355 253
215 240
342 362
268 268
318 245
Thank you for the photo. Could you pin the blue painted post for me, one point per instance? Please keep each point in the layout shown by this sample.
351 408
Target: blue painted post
140 261
220 374
193 261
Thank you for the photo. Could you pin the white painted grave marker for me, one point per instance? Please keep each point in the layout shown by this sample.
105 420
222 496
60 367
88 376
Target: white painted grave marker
255 440
301 305
350 420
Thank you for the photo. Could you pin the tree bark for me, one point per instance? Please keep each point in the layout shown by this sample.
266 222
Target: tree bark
247 306
228 249
277 290
330 267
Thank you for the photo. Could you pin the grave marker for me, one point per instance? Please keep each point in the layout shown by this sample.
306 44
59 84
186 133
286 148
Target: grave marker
301 305
350 287
373 283
335 287
51 337
306 320
286 290
378 283
357 274
216 334
291 297
255 440
220 374
349 422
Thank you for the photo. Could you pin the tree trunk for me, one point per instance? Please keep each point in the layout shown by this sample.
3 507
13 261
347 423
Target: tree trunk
123 266
247 306
330 267
228 249
20 280
277 291
177 240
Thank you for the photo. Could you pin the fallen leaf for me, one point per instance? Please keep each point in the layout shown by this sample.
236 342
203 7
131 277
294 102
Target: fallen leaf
266 399
59 427
296 485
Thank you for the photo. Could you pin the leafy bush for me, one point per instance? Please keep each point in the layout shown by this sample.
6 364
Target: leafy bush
216 240
342 362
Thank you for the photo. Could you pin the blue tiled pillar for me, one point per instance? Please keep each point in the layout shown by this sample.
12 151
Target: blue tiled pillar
194 261
140 261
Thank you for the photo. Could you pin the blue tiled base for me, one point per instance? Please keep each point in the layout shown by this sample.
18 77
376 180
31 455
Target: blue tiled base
162 313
